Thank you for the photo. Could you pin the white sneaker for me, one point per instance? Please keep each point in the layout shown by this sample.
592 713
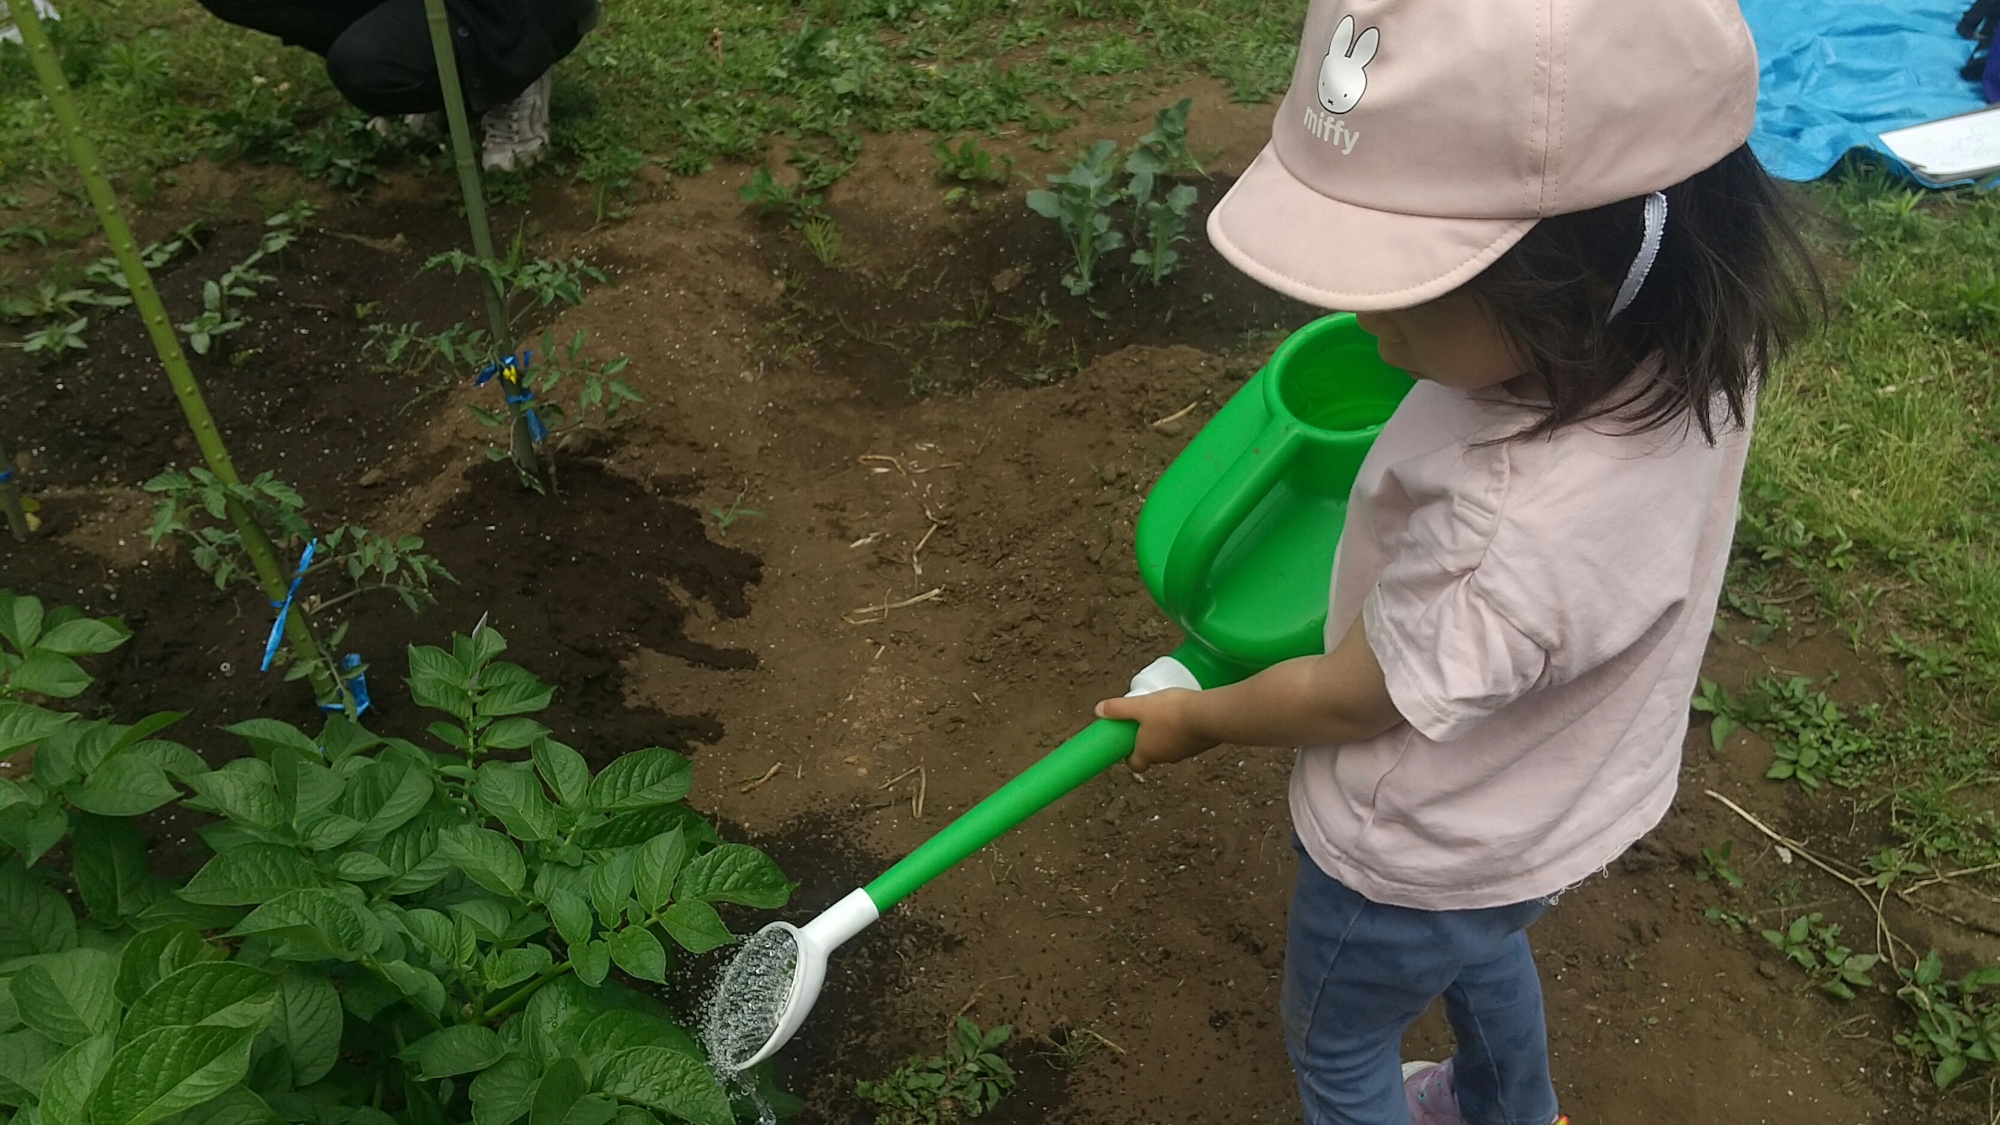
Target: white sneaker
517 133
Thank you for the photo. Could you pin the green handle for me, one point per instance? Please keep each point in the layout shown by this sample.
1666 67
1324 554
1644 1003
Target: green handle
1088 753
1218 514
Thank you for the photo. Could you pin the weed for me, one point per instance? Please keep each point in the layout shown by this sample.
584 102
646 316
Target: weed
609 168
724 517
770 197
966 1082
1715 863
969 167
56 340
1081 200
1814 945
1924 662
1810 733
823 238
1072 1046
1735 921
1036 326
18 233
1958 1021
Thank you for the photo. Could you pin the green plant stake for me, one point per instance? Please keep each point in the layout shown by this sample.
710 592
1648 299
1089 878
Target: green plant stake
1235 543
48 71
529 458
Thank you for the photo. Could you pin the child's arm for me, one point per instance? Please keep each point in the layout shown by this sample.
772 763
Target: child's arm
1310 701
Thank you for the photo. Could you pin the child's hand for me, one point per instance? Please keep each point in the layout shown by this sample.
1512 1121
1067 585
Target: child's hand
1167 732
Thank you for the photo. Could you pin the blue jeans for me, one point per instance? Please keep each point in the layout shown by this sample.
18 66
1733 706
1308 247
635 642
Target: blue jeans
1357 973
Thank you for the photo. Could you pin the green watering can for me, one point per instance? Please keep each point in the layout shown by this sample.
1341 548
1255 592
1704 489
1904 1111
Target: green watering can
1236 544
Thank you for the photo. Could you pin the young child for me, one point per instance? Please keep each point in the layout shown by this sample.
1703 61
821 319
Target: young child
1547 215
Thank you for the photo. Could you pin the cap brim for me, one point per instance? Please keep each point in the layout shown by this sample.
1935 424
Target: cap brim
1344 257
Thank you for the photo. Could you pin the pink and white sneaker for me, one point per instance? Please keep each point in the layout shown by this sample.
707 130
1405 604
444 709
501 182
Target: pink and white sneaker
1433 1095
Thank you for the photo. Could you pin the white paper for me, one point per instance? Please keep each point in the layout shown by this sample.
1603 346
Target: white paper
1950 147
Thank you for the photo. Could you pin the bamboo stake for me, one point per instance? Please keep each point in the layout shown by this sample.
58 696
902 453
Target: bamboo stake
257 545
465 155
10 496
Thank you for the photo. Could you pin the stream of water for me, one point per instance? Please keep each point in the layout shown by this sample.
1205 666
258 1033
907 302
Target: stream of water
746 1007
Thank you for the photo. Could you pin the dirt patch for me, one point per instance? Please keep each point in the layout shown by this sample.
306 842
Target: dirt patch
576 582
291 389
982 299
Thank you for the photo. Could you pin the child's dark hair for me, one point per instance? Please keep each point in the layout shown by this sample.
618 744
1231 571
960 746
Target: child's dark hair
1732 284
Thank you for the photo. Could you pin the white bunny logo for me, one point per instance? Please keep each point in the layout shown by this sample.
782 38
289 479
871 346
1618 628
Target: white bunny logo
1343 77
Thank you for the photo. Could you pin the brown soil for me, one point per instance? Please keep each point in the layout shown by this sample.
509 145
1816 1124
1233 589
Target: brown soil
1145 918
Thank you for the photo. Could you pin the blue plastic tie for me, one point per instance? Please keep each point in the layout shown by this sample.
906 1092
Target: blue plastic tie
512 371
284 607
357 685
6 476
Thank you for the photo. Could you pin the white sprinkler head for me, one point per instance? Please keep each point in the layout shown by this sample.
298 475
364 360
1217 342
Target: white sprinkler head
814 942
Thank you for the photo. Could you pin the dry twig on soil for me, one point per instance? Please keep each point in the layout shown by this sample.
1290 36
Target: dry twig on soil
750 783
880 613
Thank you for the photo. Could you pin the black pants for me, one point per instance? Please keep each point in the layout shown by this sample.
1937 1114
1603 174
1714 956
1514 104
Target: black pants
378 52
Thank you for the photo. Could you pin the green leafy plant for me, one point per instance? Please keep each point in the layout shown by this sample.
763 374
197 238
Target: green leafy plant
823 239
541 281
220 315
41 647
724 517
1162 224
408 348
1810 734
609 167
56 340
50 301
1813 944
601 397
192 510
769 196
967 1081
1080 200
1958 1021
1715 864
386 933
968 166
1166 147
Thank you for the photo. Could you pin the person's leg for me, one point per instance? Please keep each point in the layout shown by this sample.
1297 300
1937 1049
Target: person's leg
312 24
1502 1065
1356 975
383 62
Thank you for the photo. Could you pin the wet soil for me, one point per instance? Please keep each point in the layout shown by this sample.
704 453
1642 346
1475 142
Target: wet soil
839 711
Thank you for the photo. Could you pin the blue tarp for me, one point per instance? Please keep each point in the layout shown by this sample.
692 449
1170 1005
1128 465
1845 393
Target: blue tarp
1838 72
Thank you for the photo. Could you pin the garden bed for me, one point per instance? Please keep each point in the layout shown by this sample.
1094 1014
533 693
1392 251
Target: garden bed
819 443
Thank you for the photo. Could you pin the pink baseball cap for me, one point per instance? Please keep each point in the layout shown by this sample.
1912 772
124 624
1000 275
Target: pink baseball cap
1421 139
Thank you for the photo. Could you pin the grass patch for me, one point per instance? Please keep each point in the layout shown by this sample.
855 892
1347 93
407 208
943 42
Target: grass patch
1872 503
686 82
